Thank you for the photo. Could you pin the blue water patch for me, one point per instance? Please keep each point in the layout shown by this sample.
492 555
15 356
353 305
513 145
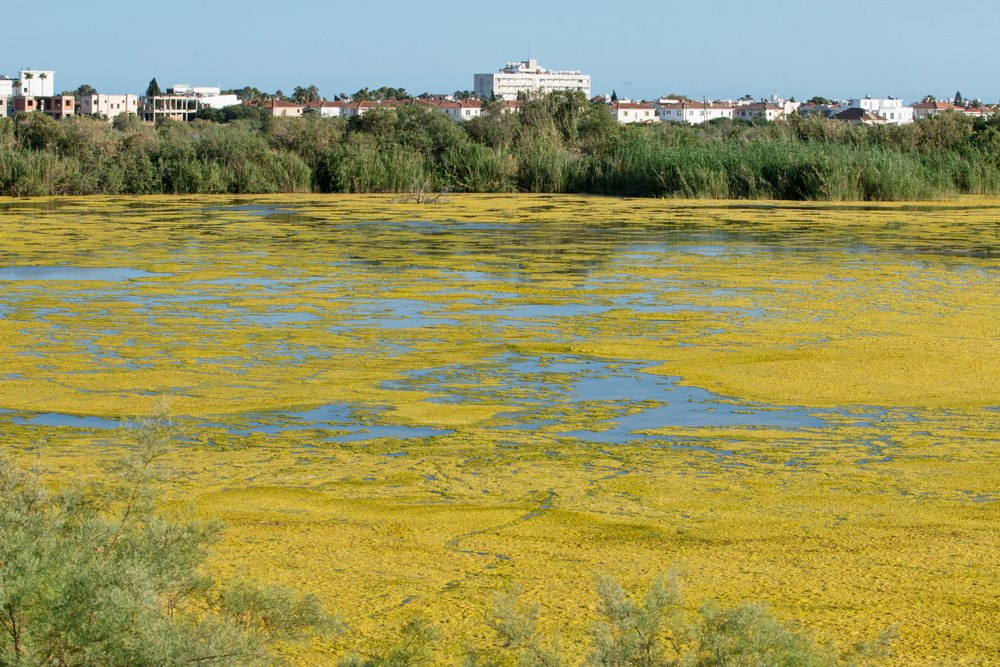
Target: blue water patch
75 273
71 421
541 390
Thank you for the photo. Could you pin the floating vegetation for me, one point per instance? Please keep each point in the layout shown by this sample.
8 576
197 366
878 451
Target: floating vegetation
391 403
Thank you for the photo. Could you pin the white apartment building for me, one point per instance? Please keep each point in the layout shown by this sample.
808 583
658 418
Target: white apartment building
109 105
526 77
209 96
7 85
890 108
36 83
693 113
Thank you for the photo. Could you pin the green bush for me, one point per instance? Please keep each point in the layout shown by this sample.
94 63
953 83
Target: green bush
93 575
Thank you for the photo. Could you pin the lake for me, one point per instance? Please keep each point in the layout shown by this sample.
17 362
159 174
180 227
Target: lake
408 408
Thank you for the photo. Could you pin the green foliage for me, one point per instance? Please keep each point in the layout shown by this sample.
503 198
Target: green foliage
92 574
556 143
153 89
414 648
303 94
379 94
658 631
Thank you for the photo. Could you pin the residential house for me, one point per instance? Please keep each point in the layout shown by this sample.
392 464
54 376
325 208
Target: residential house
109 105
280 108
889 108
693 113
36 83
759 110
859 116
632 112
326 108
56 106
8 87
182 102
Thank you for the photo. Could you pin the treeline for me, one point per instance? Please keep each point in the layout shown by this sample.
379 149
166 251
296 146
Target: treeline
558 143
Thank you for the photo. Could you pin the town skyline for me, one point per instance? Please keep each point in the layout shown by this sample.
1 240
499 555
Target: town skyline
723 51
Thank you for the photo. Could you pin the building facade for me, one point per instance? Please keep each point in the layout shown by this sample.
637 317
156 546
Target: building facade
631 112
177 107
693 113
889 108
56 106
109 105
526 77
36 83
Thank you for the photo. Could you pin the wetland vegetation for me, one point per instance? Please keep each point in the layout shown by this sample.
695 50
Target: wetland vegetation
404 409
556 144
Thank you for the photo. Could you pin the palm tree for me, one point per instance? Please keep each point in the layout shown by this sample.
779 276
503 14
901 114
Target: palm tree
29 76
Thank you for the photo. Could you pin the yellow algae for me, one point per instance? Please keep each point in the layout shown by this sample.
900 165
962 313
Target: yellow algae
498 335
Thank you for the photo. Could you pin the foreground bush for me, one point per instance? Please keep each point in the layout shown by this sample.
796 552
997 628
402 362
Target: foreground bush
93 576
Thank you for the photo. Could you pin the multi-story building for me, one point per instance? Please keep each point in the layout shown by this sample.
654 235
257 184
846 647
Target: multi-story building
526 77
36 83
109 105
56 106
7 86
890 108
693 113
182 102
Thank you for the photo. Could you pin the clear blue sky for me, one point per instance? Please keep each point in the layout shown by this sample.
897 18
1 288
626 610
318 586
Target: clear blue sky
643 48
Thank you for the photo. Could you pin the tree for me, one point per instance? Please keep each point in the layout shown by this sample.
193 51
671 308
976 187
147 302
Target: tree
153 89
928 98
465 95
94 575
308 94
614 95
85 89
958 98
380 94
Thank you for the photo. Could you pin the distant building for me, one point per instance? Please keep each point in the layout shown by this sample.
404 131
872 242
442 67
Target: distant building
819 110
631 112
327 109
210 96
183 102
281 108
7 86
56 106
3 107
859 116
457 110
693 113
109 105
527 77
36 83
177 107
759 110
923 110
889 108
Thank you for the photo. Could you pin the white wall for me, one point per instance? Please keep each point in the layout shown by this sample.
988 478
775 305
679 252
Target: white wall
41 83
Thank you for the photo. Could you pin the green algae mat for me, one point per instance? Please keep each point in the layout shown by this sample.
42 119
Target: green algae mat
409 408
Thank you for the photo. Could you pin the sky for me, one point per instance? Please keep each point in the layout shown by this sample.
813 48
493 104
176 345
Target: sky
639 49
